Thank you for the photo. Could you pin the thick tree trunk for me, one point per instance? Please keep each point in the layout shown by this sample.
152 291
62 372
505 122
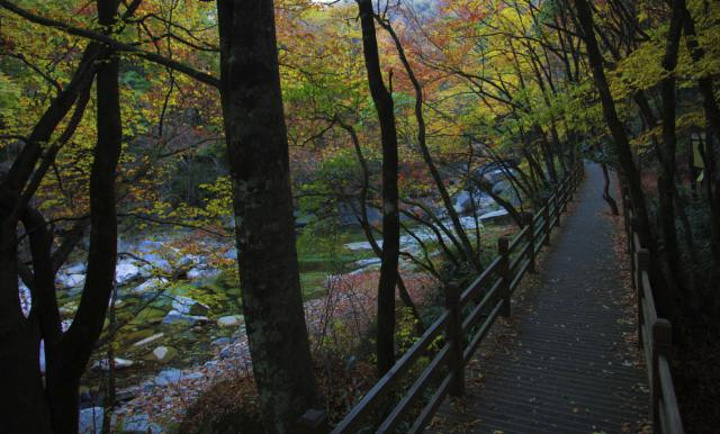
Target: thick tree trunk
67 361
257 145
391 221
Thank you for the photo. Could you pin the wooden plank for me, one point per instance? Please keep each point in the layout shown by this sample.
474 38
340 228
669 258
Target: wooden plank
476 312
479 282
391 377
415 390
432 406
518 238
484 329
520 257
516 281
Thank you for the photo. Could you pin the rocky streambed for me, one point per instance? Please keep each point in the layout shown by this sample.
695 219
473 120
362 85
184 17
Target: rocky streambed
178 325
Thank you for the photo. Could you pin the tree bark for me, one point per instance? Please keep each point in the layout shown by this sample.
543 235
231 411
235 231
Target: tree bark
256 139
391 222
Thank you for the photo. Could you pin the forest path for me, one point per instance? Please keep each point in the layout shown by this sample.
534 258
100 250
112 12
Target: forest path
566 362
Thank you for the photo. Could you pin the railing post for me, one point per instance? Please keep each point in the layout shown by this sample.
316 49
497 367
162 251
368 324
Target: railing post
530 222
454 335
557 205
643 259
631 250
504 273
546 217
661 344
312 422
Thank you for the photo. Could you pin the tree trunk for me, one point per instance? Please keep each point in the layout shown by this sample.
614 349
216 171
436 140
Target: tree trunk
666 180
257 145
66 362
368 229
606 191
391 222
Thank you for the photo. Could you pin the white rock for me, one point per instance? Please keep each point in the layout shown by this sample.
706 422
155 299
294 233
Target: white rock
494 214
126 271
174 317
65 324
78 268
148 340
150 284
366 262
361 245
91 420
160 353
103 364
230 321
25 298
198 273
70 280
188 306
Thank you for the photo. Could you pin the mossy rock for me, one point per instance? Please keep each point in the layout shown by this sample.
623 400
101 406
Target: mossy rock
149 315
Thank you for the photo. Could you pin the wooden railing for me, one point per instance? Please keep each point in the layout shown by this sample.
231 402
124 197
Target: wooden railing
467 318
654 334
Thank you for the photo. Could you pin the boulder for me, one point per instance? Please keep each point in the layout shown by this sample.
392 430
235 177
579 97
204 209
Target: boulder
126 271
163 354
78 268
91 420
175 317
188 306
202 273
140 424
230 321
150 284
172 376
221 342
70 280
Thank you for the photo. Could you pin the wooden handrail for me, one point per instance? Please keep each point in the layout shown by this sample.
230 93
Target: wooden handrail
496 284
654 333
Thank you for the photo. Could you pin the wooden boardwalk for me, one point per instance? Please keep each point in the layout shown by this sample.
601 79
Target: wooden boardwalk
566 362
